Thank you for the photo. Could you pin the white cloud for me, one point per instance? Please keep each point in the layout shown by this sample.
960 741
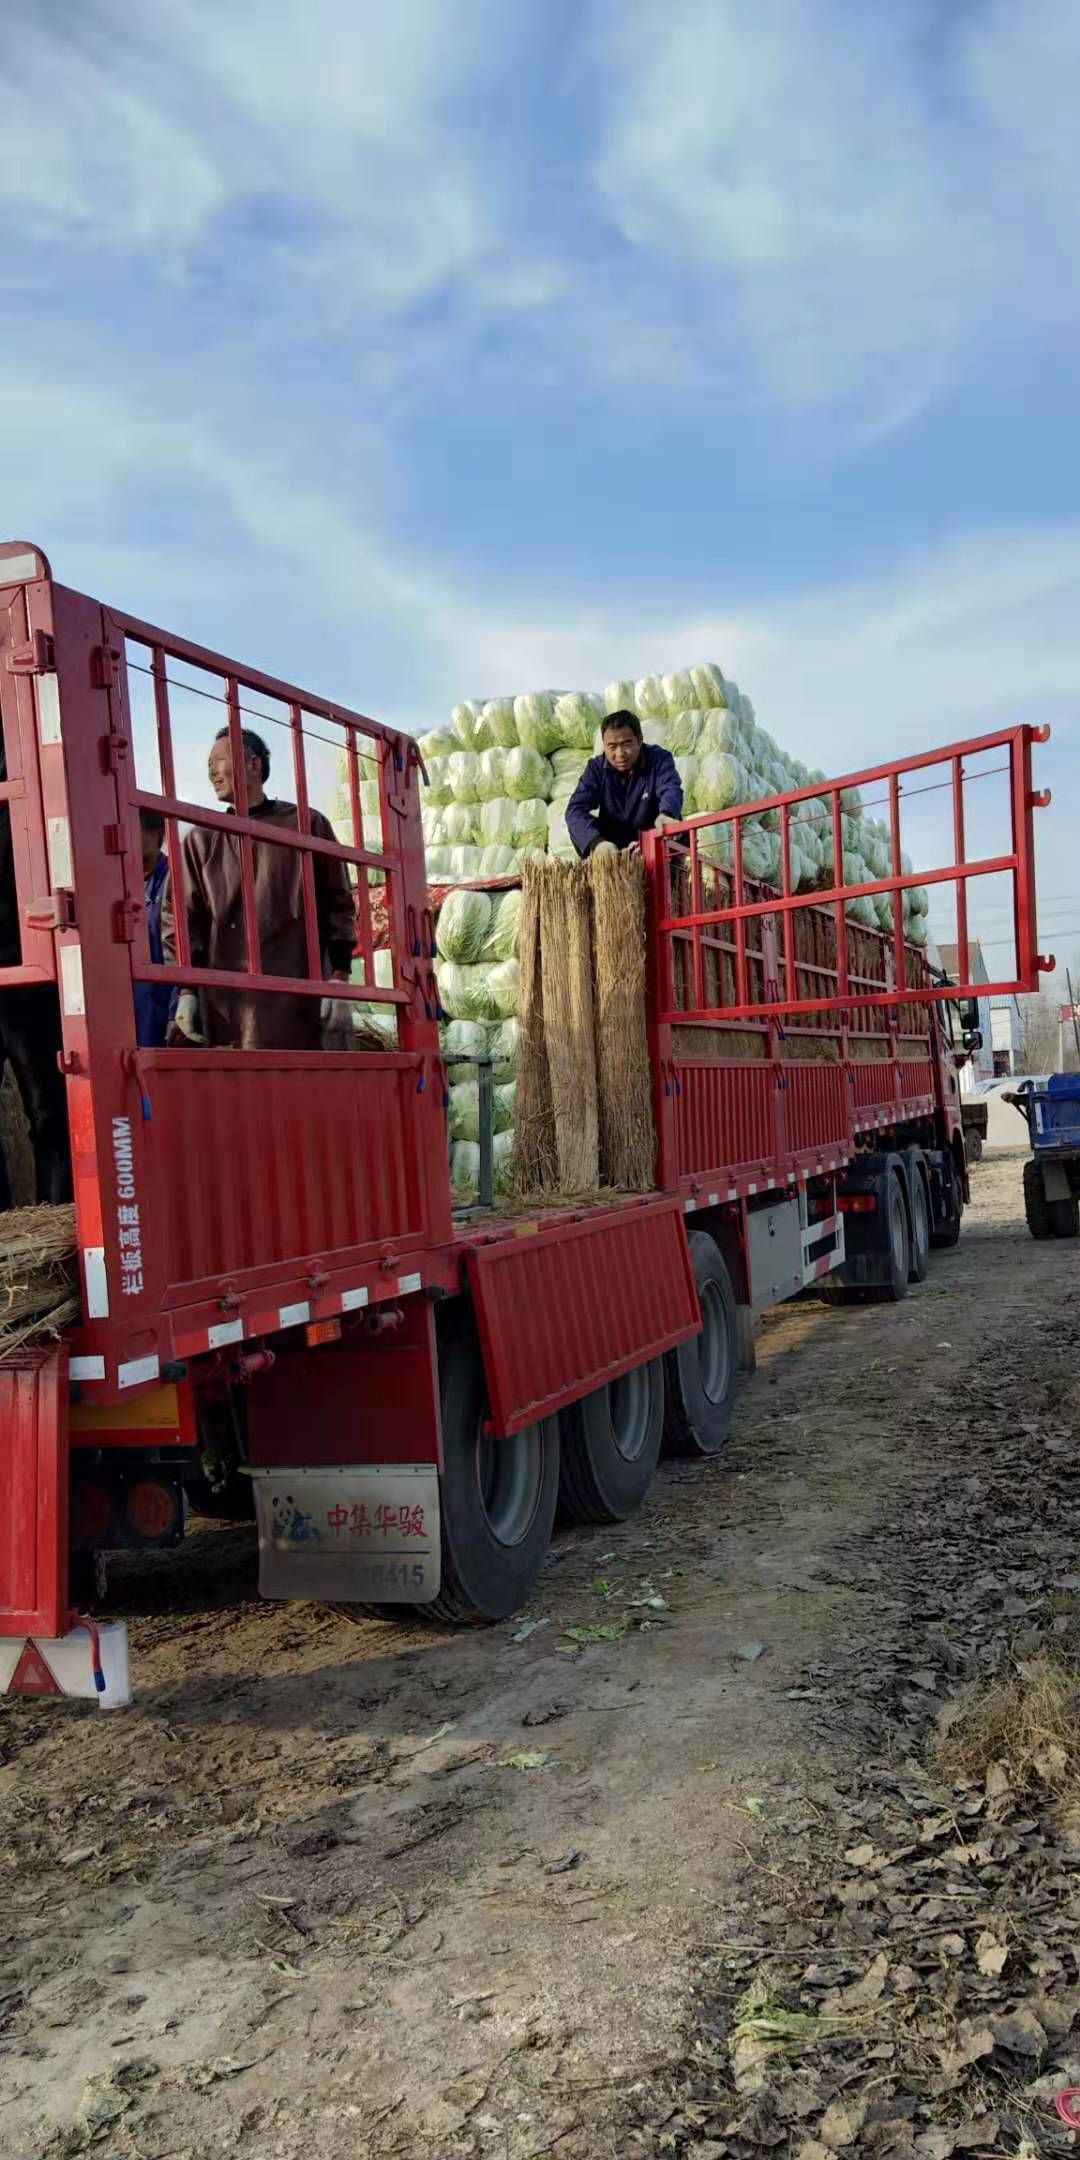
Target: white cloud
819 206
86 150
332 119
861 196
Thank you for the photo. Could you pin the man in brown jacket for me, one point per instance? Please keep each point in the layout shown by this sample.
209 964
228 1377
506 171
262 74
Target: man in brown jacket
249 1020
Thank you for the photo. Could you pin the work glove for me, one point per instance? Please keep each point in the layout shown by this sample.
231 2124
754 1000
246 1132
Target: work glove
664 823
184 1030
605 847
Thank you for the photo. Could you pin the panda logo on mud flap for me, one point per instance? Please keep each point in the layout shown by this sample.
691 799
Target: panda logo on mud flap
291 1526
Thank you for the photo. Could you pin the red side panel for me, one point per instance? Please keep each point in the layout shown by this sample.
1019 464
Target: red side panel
725 1113
562 1311
265 1161
34 1483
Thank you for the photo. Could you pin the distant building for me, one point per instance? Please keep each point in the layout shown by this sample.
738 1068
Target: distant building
1005 1035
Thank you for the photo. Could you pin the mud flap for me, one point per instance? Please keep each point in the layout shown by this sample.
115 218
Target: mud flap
34 1483
565 1310
368 1533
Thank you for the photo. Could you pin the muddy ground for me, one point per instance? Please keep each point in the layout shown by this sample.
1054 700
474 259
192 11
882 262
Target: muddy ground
334 1889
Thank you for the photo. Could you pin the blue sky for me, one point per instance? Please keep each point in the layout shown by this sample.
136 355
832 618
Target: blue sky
458 347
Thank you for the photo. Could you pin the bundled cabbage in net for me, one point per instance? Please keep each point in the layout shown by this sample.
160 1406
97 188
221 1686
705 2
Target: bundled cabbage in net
496 822
527 775
500 722
500 942
464 1110
577 715
721 782
465 1169
478 991
463 772
437 743
461 824
530 823
502 1048
469 726
464 922
497 862
537 727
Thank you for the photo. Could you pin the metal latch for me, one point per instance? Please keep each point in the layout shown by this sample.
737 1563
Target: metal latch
104 666
36 658
55 911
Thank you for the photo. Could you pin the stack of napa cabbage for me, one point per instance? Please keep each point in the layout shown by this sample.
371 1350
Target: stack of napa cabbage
501 775
477 970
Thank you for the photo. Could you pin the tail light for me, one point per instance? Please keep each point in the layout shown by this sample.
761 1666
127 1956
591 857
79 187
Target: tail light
152 1512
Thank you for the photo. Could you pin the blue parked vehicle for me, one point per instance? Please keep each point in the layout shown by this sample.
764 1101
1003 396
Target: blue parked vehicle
1052 1176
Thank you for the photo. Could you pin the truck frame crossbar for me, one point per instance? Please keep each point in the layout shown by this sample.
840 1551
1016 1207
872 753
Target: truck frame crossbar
682 868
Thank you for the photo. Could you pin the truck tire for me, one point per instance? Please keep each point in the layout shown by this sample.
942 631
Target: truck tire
1036 1205
973 1147
609 1446
700 1376
498 1497
899 1250
945 1234
1065 1217
920 1226
896 1253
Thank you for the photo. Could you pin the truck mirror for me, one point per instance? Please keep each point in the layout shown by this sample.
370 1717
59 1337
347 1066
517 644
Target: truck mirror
969 1015
972 1040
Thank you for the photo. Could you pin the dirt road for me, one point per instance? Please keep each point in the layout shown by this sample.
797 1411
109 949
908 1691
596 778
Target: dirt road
333 1890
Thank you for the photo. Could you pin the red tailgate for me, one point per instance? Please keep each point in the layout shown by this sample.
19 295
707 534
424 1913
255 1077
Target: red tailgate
564 1310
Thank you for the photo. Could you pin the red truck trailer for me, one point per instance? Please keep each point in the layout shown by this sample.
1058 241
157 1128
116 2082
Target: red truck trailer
269 1260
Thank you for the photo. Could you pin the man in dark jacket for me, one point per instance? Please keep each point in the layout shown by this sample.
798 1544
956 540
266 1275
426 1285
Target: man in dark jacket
631 788
153 1001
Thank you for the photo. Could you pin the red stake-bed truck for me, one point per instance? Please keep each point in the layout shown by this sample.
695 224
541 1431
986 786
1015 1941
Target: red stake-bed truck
268 1256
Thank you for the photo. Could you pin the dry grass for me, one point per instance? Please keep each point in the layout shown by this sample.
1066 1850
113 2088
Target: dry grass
1029 1721
367 1035
567 969
543 1201
750 1046
624 1086
38 1283
535 1165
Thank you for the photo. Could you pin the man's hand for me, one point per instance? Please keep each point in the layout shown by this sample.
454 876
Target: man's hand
184 1030
336 1016
664 823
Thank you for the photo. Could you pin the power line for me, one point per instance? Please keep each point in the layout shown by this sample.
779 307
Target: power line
991 943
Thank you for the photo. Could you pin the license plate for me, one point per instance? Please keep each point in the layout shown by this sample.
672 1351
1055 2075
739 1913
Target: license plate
369 1534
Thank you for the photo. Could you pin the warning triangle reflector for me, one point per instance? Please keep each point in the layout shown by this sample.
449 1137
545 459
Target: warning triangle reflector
32 1676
